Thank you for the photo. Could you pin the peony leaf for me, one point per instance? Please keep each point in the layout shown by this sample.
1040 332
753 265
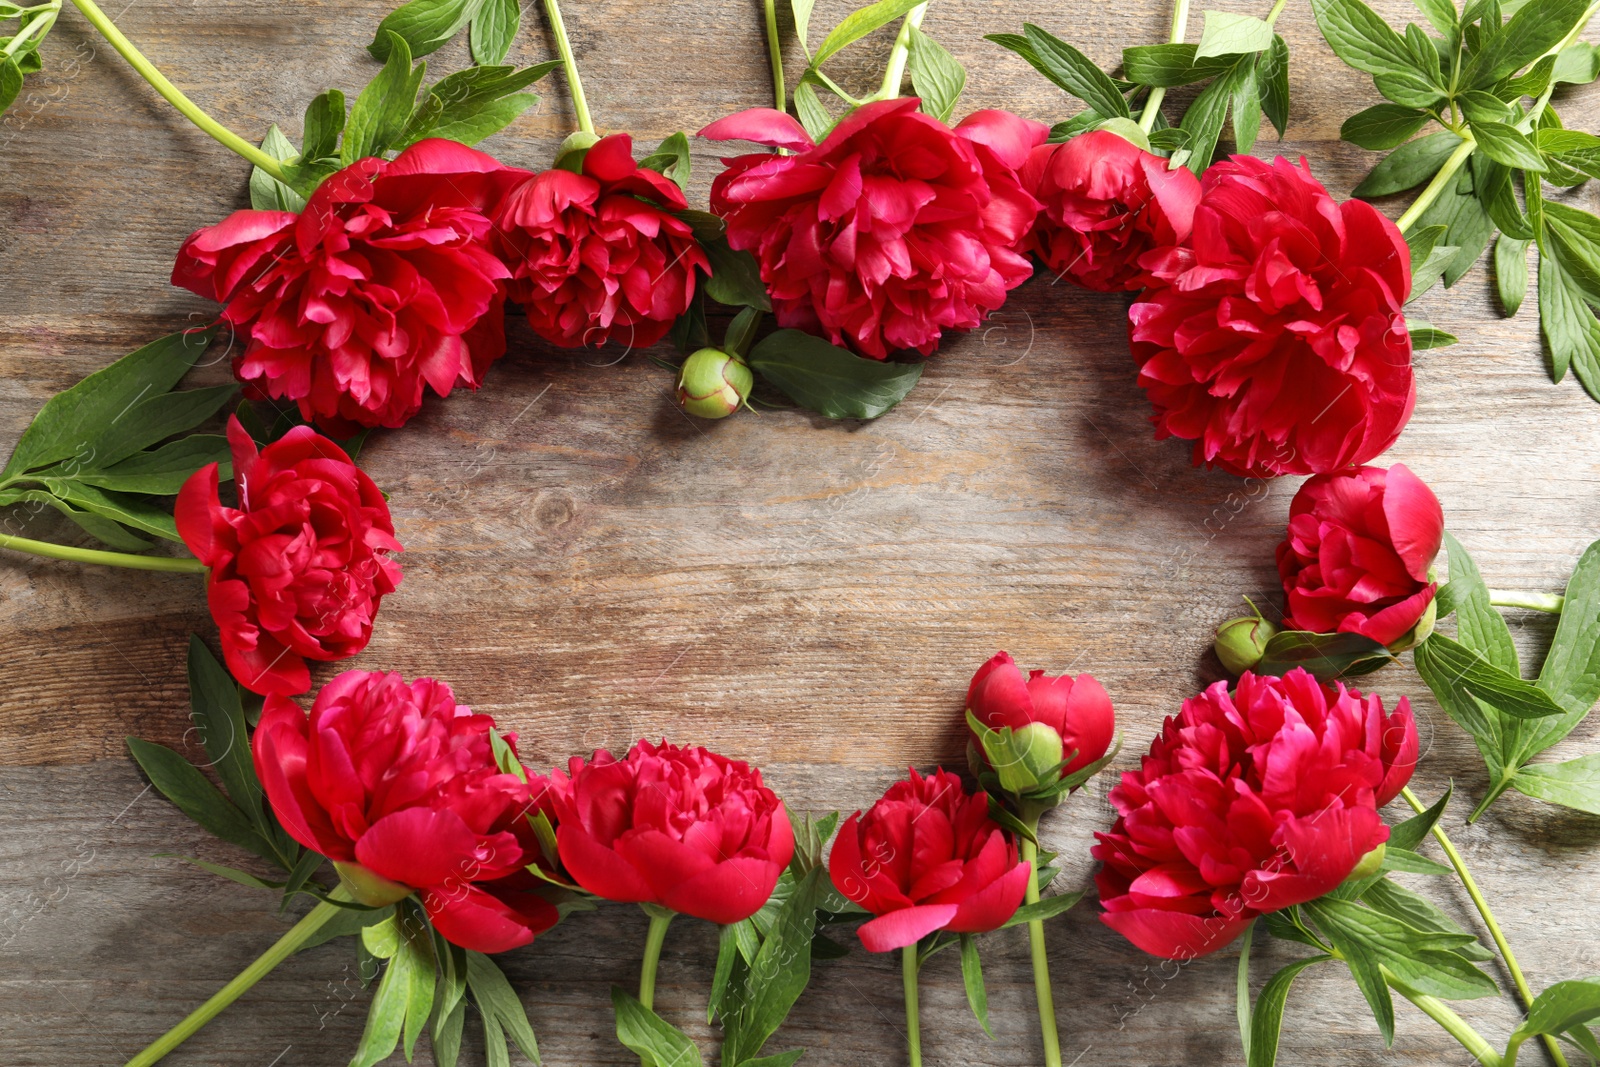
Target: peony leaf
1574 784
801 10
935 75
266 192
152 419
1412 832
813 116
1383 126
423 25
1532 31
1205 118
778 974
1419 912
1167 65
1228 34
1559 1009
1479 626
1074 72
1577 64
651 1036
1494 685
972 979
1327 656
1409 165
1246 108
1511 272
446 1035
1425 335
727 953
1241 998
671 159
735 277
494 28
162 471
858 24
10 82
1362 39
829 380
382 111
1571 334
1506 144
1041 910
1266 1021
500 1004
182 783
1272 74
1467 225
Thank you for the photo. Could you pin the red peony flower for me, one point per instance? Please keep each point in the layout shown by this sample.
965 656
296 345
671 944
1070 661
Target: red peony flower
1357 553
927 857
298 569
891 231
381 287
1104 203
1275 338
599 255
684 828
1247 804
398 785
1054 718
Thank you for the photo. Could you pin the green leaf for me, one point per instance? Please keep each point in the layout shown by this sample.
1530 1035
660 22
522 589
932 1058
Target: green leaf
727 952
386 1015
741 332
1383 126
1412 832
1492 183
1420 913
1466 221
972 978
498 1001
1574 784
1494 685
1562 1007
480 101
266 192
858 24
232 874
651 1036
782 1059
1511 272
1227 34
424 25
1571 333
1167 65
1241 1006
1577 64
218 715
447 1036
1571 671
324 122
778 974
1479 626
1272 74
1327 656
1409 165
1532 31
830 380
1363 40
1503 143
162 471
10 82
735 277
380 113
1076 73
1575 149
111 532
69 418
1425 335
1246 108
153 419
182 783
935 75
494 28
670 159
1399 859
1572 237
813 116
801 9
1048 908
1204 120
1267 1018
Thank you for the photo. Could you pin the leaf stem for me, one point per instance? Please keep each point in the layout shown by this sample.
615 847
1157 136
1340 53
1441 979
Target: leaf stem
1180 26
298 934
1043 992
190 110
558 30
1453 1024
1446 175
37 28
1552 603
908 978
1277 9
181 564
1495 932
780 94
895 72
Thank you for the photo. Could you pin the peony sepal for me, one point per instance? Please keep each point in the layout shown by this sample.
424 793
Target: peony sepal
365 887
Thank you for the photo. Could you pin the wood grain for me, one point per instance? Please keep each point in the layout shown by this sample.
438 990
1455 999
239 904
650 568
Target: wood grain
589 566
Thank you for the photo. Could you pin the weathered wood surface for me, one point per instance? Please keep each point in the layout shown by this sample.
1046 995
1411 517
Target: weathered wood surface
589 566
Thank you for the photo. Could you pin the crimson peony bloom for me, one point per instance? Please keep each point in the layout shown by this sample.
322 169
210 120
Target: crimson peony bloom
298 569
382 286
1357 553
891 231
683 828
1247 804
398 785
1053 717
1275 338
927 857
599 255
1104 202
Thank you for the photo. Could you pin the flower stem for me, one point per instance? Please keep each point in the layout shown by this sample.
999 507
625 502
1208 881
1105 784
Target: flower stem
1152 104
652 955
1495 932
182 564
37 28
192 111
908 974
1510 598
1041 960
558 30
298 934
1446 175
780 96
1453 1024
895 72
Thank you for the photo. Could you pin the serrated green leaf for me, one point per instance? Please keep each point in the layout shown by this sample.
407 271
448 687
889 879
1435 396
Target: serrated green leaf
830 380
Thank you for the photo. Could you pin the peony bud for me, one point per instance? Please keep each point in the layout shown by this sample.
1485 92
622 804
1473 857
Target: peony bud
1369 865
1242 642
713 383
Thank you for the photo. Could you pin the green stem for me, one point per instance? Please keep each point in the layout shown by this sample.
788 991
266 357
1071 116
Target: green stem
1041 960
1478 901
1277 9
182 564
190 110
1446 175
780 94
36 28
1152 104
908 977
298 934
652 955
1453 1024
1551 603
558 29
895 72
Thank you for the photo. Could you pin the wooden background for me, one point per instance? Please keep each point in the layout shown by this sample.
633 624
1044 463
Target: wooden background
589 565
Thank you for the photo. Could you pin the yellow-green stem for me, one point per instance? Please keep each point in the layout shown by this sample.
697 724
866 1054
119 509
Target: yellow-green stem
1551 603
558 30
37 28
1152 104
1453 1024
298 934
895 72
1041 960
780 94
180 564
1478 901
190 110
908 979
1446 175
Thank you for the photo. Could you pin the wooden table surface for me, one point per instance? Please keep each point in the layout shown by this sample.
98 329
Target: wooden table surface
590 566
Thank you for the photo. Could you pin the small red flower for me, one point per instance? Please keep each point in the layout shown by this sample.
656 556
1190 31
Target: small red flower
600 255
298 569
891 231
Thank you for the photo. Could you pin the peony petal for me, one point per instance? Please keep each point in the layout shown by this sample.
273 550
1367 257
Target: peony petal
421 847
763 125
904 927
599 869
1416 521
727 892
484 922
1175 935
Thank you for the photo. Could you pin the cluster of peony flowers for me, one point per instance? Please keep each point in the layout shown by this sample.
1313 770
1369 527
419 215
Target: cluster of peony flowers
394 278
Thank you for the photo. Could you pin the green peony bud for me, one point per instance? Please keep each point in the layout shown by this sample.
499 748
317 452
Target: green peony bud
1035 753
1241 642
1369 865
713 383
370 889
